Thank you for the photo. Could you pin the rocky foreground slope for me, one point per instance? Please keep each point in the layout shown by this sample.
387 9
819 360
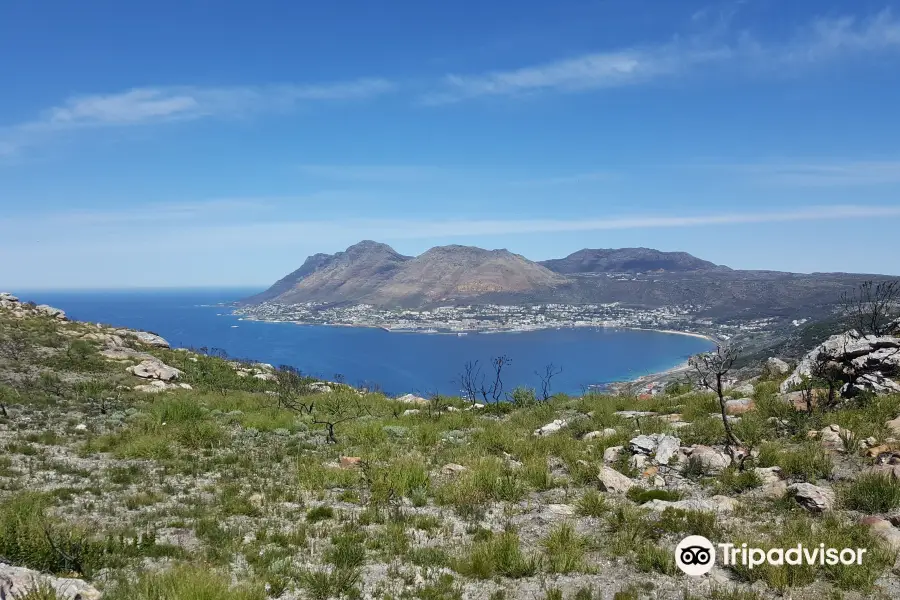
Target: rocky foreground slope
131 470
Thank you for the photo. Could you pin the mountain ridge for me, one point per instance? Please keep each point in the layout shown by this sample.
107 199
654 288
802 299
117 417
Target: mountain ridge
374 273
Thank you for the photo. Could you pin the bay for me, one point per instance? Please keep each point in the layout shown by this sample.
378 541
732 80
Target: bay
397 362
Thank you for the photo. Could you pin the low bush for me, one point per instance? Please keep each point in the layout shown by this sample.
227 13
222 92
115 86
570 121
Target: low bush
872 493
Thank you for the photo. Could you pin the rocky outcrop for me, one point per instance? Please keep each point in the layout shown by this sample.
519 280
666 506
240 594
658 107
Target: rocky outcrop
660 446
710 460
156 386
611 480
812 497
776 366
154 369
861 363
150 339
16 582
551 427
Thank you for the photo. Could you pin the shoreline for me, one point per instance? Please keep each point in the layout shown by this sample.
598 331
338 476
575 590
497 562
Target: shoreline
432 331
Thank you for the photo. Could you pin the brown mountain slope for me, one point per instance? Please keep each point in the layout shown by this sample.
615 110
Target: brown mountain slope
346 276
451 273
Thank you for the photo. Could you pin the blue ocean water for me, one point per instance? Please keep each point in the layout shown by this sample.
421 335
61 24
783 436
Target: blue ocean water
398 362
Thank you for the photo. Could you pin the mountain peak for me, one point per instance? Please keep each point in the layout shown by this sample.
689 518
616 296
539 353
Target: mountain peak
628 260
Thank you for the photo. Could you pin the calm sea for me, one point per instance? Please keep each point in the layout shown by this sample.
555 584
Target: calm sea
398 362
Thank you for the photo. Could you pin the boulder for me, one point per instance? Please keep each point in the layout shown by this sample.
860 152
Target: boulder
873 383
776 366
865 363
773 490
319 387
634 414
667 448
711 460
155 386
50 311
412 399
768 475
743 389
643 444
16 582
885 530
453 469
661 446
611 454
150 339
893 426
613 481
7 297
607 432
740 406
551 427
412 411
812 497
717 504
830 438
265 376
154 369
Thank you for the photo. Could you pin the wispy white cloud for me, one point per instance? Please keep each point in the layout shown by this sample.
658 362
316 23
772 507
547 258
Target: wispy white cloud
151 105
262 230
814 173
823 39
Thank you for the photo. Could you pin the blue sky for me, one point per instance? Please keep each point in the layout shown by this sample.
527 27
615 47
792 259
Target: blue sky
200 143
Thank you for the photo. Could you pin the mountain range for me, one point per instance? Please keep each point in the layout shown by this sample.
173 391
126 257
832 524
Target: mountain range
374 273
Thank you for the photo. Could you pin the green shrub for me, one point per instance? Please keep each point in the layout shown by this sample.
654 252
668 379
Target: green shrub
641 495
184 583
872 493
564 550
807 462
319 513
499 554
592 504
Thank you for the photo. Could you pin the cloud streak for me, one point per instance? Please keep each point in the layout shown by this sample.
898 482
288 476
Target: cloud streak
152 105
814 173
823 39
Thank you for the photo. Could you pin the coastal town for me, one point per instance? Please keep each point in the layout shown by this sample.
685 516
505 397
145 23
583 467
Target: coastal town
494 318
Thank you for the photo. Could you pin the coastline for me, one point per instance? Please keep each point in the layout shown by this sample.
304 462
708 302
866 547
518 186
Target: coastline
432 331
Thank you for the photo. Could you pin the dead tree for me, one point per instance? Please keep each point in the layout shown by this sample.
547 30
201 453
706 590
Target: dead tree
337 408
290 390
873 308
711 369
496 388
470 380
550 371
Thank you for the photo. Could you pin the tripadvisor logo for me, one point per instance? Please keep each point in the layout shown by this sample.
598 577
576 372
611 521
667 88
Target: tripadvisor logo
695 555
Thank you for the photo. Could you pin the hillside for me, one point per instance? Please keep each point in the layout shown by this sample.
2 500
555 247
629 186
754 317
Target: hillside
628 260
134 471
373 273
348 276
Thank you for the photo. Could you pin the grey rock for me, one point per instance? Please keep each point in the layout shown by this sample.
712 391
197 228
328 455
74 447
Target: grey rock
776 366
717 504
744 389
666 448
643 444
711 460
768 474
154 369
613 481
812 497
150 339
551 427
605 433
611 454
16 582
412 399
50 311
